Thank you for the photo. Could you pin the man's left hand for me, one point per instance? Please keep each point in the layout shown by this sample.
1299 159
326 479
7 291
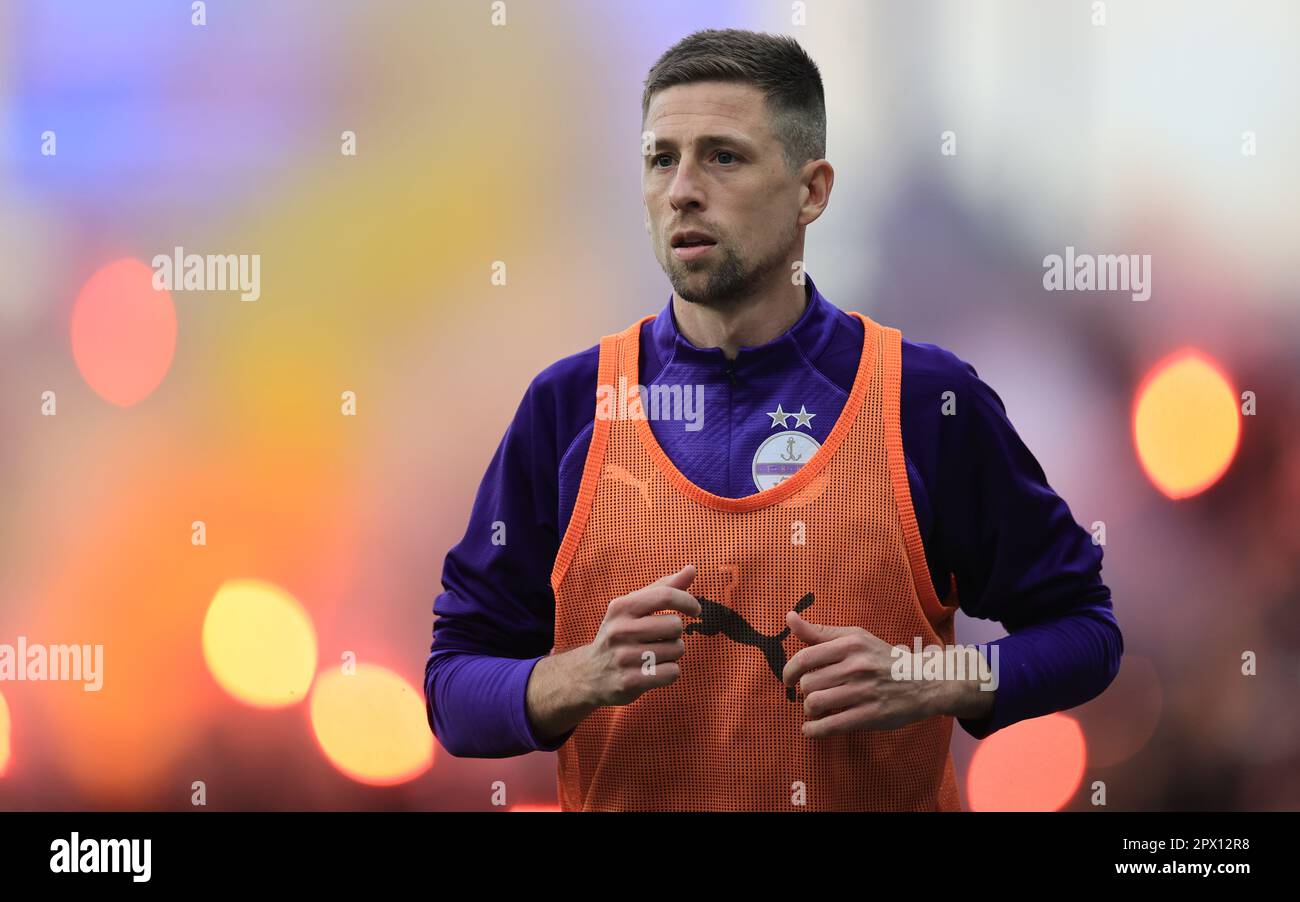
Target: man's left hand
846 675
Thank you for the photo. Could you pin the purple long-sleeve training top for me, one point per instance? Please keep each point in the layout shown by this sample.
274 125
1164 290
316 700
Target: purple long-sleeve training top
985 511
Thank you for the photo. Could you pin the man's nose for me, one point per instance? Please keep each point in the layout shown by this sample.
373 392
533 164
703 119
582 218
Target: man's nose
687 189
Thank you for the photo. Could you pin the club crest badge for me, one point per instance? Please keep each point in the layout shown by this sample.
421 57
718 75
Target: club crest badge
782 455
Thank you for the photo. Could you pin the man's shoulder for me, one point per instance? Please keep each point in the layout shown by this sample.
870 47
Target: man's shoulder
564 377
929 370
574 375
928 363
924 364
561 399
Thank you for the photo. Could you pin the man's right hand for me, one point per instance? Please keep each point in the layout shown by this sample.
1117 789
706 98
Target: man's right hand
616 662
564 688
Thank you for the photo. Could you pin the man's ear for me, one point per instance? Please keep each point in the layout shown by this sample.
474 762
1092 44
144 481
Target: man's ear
818 177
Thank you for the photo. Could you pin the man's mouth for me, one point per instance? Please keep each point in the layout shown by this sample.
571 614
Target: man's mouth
692 245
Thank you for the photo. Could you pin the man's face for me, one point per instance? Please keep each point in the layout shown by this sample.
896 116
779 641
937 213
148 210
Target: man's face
716 168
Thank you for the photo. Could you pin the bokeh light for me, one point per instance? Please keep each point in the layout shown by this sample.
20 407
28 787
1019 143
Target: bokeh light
371 725
123 332
4 736
141 595
1120 721
1033 765
259 643
1185 424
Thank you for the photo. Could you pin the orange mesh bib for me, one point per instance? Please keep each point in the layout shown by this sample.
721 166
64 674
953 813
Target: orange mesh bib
838 537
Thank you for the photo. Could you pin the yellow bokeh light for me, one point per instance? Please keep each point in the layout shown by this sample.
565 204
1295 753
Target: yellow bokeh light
4 735
259 644
371 725
1186 424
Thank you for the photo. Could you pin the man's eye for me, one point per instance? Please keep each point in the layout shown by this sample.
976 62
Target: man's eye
662 156
725 153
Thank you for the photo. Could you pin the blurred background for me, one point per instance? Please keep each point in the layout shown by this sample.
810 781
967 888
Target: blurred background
182 481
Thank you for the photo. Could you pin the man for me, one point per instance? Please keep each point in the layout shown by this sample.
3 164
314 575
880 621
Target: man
722 595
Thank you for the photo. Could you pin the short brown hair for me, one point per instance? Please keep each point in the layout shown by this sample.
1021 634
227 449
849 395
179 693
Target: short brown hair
776 64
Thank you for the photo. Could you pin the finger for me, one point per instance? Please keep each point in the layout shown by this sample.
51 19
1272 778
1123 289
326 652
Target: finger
811 658
644 630
679 580
649 632
814 633
827 702
670 650
826 677
664 674
647 601
842 722
665 652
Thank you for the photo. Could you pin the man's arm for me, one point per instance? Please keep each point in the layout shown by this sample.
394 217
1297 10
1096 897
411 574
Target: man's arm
1019 558
494 623
491 688
558 698
482 703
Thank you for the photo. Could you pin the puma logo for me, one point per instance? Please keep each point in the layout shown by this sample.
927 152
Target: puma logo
618 474
718 618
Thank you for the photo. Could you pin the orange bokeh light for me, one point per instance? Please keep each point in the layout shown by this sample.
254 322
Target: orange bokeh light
1186 423
1033 765
123 332
4 735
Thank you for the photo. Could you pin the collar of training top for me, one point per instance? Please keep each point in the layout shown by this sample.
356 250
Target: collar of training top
806 338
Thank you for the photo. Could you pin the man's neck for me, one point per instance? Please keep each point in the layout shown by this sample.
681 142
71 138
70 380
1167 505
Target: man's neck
754 322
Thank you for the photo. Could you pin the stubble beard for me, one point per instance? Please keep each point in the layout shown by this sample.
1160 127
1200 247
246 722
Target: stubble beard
730 282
